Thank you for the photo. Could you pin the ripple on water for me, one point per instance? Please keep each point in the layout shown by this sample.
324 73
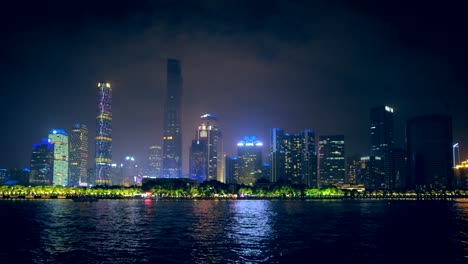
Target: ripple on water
136 231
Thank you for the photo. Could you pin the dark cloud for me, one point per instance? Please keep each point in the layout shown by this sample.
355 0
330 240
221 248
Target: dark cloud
257 64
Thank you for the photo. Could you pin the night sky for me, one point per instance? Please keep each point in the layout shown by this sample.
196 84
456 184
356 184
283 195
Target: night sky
256 64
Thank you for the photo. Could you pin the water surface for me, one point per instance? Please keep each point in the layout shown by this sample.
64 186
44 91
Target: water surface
242 231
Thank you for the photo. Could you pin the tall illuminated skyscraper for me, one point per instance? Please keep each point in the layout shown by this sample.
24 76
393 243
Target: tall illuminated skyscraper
381 130
172 134
78 155
207 148
59 139
103 156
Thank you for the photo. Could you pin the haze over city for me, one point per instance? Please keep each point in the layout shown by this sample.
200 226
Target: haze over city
257 66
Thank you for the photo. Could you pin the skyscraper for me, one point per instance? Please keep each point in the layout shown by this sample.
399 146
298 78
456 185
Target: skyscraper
59 139
381 141
172 134
103 156
293 157
429 140
208 143
154 168
130 172
249 160
371 174
232 170
78 155
309 158
198 170
277 157
332 160
42 162
381 130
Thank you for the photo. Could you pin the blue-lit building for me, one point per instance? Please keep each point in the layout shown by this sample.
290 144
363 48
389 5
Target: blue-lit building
172 133
42 162
103 156
249 160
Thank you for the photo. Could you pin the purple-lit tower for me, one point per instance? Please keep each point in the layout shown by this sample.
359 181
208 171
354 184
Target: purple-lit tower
104 134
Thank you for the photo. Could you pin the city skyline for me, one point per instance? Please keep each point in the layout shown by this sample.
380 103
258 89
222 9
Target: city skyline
254 80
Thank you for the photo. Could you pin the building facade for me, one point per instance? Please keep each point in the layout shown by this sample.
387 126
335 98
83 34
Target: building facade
429 146
331 160
59 138
382 141
207 148
232 170
249 160
154 167
78 138
42 162
103 157
172 134
293 157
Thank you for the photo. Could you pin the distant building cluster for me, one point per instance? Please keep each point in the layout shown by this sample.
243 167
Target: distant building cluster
430 160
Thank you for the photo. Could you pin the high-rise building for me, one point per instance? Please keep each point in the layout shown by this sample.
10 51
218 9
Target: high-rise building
103 156
332 160
117 173
371 174
130 171
381 130
59 138
78 155
293 157
398 168
381 140
42 162
198 167
154 168
249 159
208 143
429 141
277 154
172 134
309 158
232 170
353 166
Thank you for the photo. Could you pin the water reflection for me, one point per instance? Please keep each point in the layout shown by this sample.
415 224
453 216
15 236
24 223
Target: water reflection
251 229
